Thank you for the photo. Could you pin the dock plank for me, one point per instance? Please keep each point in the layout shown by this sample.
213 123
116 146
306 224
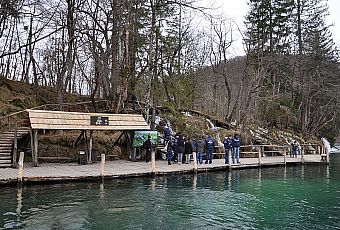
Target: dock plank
122 168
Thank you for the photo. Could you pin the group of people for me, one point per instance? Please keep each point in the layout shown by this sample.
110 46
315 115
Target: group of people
179 149
232 145
295 148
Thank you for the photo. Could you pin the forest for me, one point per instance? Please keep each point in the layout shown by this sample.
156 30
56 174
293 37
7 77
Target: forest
177 54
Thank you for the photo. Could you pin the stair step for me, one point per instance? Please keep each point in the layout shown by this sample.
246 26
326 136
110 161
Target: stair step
5 165
5 158
5 161
5 151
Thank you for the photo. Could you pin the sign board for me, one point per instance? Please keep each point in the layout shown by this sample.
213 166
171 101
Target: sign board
141 136
98 120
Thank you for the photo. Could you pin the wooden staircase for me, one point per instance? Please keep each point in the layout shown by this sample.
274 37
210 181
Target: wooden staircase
6 145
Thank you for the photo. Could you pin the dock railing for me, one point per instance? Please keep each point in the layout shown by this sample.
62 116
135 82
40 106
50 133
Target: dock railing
262 151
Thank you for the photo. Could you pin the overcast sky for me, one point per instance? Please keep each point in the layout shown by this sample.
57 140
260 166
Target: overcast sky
237 9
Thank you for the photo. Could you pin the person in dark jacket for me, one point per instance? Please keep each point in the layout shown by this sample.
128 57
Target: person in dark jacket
134 101
236 143
209 144
227 146
180 149
187 150
166 133
148 147
295 149
169 152
174 149
199 146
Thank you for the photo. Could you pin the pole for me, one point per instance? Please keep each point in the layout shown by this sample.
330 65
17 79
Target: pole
153 162
35 149
21 168
259 151
90 147
327 156
102 165
195 161
284 155
302 155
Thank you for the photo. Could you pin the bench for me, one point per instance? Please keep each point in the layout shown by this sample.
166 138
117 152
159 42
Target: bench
109 157
272 153
54 159
250 154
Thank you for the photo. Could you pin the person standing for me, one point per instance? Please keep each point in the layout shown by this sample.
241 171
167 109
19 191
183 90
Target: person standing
174 149
166 133
199 146
169 152
134 101
187 150
180 149
227 146
148 148
209 144
295 149
236 143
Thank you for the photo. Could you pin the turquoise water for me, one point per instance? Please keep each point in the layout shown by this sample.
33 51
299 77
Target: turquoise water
299 197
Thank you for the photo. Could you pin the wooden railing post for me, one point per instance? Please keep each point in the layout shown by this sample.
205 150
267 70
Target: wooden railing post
153 161
327 157
102 165
195 161
259 156
284 155
35 149
302 154
21 168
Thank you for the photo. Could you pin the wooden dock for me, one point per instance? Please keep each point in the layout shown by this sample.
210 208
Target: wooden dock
57 172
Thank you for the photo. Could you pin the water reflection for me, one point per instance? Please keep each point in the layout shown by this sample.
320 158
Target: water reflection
305 197
101 190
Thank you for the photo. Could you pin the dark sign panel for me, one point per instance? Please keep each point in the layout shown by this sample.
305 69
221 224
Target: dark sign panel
96 120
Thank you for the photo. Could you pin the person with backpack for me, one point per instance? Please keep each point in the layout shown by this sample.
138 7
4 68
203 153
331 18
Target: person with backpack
209 144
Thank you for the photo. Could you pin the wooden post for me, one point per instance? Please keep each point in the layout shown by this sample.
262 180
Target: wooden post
21 168
327 157
302 155
284 156
195 161
90 147
15 148
35 148
102 165
153 162
32 142
259 156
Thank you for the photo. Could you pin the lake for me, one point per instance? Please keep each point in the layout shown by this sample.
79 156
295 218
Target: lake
295 197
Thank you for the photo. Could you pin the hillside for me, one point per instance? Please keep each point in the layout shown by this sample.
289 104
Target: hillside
17 96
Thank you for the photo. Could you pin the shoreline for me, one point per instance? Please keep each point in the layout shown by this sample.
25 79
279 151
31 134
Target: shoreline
54 173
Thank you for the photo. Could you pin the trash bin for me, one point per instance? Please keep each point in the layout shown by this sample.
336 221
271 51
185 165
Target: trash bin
81 158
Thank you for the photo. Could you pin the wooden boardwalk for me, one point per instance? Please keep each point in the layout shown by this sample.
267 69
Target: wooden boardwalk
49 172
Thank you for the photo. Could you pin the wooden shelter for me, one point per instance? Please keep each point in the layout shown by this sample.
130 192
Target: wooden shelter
60 120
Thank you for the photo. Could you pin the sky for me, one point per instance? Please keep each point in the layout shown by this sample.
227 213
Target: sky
237 9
